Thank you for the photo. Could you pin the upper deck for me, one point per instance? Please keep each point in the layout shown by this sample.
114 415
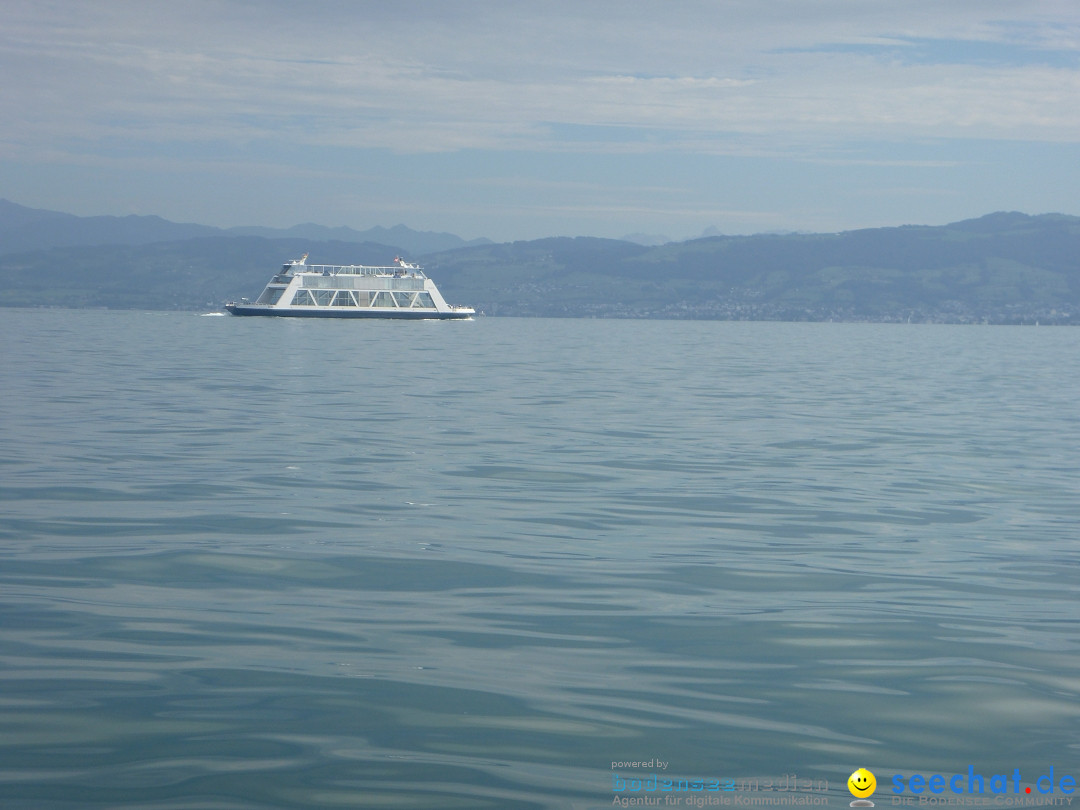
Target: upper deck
358 270
400 269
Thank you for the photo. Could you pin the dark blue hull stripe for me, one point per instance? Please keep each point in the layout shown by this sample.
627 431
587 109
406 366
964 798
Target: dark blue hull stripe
405 314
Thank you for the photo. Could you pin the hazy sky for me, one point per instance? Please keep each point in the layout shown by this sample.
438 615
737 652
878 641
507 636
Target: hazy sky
515 120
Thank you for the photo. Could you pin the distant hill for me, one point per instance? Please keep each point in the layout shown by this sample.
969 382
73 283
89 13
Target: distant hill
1001 268
415 243
25 229
190 274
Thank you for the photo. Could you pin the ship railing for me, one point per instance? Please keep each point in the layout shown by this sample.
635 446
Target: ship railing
362 270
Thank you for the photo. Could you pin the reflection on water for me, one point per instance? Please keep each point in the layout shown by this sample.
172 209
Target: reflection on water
255 563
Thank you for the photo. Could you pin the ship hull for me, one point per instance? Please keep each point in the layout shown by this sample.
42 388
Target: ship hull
373 313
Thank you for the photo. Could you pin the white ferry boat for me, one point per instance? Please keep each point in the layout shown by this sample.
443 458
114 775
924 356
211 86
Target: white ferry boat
350 291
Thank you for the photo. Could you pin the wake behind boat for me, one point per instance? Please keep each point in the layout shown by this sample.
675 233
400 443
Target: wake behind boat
350 291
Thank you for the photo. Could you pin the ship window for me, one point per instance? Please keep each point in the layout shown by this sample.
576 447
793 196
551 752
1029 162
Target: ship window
303 299
382 299
344 299
403 299
322 297
363 298
424 300
270 296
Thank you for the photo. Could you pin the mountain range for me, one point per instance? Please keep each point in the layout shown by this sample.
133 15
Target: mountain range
29 229
1005 267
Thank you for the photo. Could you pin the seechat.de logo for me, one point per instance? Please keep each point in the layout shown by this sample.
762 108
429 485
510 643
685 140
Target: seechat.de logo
976 783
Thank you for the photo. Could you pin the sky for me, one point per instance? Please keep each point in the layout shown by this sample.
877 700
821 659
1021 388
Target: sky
519 120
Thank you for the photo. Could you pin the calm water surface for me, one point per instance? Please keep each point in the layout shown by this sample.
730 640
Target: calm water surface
251 563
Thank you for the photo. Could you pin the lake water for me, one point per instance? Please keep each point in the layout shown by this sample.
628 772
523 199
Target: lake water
276 563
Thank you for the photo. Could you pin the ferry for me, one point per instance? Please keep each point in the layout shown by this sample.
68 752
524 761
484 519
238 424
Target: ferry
350 291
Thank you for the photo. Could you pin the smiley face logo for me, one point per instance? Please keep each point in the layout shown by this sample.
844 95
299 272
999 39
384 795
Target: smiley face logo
862 783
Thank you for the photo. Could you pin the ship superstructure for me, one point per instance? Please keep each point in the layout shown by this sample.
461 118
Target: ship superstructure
400 290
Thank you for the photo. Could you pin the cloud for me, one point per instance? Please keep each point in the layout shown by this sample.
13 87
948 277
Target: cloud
497 76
